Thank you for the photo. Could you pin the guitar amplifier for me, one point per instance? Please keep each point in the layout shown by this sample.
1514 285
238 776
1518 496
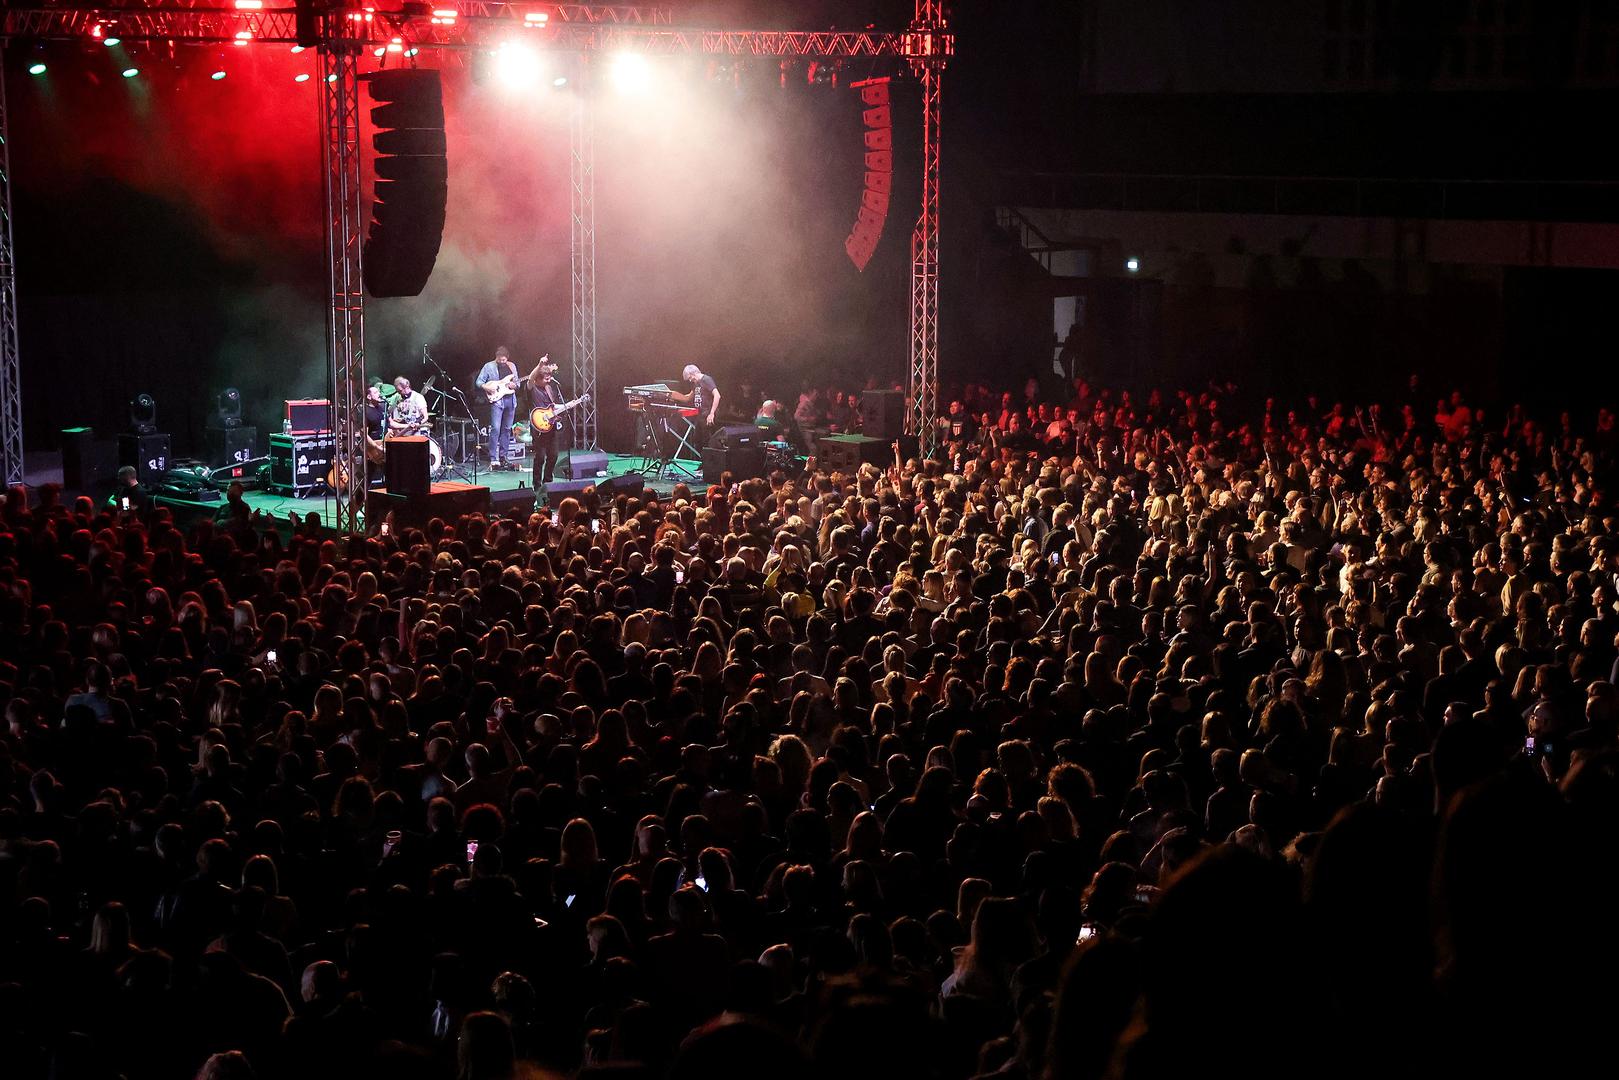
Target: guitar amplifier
299 463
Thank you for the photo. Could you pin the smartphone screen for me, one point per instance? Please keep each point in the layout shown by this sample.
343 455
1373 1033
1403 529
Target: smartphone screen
472 849
270 656
386 528
569 901
702 883
1087 932
595 525
680 577
125 501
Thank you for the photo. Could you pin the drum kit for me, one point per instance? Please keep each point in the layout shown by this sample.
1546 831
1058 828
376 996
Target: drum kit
453 443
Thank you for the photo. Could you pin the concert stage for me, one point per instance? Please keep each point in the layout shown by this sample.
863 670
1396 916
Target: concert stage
46 468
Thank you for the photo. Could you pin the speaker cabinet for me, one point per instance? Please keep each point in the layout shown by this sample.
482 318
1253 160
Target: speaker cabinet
232 446
407 216
148 453
586 464
882 414
743 463
409 472
88 464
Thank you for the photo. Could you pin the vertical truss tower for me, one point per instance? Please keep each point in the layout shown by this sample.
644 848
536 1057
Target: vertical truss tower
582 258
928 48
10 362
345 319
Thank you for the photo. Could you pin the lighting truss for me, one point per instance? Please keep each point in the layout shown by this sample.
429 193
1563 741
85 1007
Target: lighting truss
345 235
582 263
928 63
11 444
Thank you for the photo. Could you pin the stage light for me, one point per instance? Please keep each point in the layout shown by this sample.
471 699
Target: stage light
142 414
1132 264
110 42
304 77
249 5
216 76
331 78
243 37
536 18
516 66
36 69
130 73
560 81
228 407
296 49
631 73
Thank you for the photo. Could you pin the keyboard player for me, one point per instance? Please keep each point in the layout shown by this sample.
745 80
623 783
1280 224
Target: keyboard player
704 397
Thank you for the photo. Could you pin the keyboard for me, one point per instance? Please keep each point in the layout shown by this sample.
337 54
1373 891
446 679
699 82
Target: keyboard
655 395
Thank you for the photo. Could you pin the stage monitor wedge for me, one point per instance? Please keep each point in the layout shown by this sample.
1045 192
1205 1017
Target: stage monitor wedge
412 181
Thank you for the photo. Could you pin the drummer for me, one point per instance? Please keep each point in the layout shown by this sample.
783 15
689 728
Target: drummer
767 422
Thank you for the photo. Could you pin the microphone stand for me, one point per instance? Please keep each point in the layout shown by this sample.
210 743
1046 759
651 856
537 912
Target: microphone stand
454 391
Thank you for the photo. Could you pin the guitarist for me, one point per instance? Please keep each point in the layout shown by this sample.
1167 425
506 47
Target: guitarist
498 381
543 445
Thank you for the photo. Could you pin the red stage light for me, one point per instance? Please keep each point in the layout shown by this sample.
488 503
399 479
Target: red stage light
249 5
302 77
243 37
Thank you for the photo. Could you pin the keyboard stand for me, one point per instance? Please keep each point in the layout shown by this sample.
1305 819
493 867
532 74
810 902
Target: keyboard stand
674 468
653 461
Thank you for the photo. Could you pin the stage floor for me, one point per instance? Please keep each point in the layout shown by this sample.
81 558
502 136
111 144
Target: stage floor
47 468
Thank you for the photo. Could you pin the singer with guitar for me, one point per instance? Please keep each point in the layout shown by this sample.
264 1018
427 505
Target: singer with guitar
498 381
543 419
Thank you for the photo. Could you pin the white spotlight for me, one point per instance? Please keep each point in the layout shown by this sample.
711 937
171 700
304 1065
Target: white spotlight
631 73
1132 264
517 66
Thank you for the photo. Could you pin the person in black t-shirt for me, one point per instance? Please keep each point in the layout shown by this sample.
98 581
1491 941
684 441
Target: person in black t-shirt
704 397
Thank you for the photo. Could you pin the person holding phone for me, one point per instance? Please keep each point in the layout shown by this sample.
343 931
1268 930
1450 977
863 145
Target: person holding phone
130 495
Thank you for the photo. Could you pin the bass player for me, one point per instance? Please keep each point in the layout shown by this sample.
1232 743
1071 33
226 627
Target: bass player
498 381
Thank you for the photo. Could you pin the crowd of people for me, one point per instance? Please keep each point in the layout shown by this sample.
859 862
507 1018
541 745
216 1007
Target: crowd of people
1123 736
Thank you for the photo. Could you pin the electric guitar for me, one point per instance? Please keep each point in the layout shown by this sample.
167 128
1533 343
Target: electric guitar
543 420
501 388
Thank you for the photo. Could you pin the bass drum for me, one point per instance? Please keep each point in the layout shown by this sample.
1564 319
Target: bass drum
435 458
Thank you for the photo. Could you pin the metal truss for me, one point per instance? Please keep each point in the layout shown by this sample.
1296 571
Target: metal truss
933 48
582 260
345 231
569 27
11 444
